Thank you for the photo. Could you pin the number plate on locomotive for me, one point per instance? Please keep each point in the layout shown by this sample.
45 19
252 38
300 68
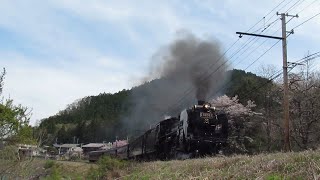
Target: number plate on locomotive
206 115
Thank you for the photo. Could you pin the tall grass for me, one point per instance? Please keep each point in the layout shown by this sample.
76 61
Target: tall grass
303 165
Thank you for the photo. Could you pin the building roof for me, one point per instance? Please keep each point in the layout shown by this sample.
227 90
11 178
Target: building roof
77 149
65 145
28 146
93 145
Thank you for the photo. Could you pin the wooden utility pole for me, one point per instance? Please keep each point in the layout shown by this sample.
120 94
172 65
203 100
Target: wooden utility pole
285 75
285 82
285 85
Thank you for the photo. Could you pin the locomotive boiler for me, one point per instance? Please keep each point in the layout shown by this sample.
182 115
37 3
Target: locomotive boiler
205 129
199 130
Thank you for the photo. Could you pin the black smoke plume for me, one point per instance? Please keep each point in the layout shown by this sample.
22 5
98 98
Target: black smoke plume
187 70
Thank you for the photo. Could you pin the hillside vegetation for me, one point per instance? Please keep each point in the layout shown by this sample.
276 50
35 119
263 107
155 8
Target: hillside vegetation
97 118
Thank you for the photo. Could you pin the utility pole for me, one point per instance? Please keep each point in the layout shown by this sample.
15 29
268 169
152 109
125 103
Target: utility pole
285 84
285 75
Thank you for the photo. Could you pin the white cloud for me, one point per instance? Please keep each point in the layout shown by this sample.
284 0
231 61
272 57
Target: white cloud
48 89
109 62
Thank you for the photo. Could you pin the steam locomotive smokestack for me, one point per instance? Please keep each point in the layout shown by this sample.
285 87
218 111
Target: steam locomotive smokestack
200 102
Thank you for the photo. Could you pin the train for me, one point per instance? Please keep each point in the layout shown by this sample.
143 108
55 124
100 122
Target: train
196 131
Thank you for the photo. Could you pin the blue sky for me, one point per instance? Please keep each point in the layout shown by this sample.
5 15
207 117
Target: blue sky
57 51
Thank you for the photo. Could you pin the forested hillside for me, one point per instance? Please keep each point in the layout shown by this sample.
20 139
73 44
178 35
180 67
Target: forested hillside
100 118
90 119
97 118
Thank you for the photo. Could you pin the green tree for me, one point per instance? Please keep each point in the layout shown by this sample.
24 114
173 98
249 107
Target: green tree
14 119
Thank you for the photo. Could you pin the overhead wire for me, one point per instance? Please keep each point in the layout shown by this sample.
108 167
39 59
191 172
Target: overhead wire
298 62
279 73
228 83
245 44
278 40
270 79
279 10
306 20
210 74
303 9
293 6
307 6
254 49
266 15
190 90
253 61
254 43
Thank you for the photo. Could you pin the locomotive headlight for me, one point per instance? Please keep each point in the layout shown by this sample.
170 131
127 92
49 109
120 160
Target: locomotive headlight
218 127
207 106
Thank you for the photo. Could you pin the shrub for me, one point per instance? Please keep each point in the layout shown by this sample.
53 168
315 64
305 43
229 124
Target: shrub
106 166
54 173
55 170
49 164
108 163
9 153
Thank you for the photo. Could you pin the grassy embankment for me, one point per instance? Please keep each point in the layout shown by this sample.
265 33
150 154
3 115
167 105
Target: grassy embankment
302 165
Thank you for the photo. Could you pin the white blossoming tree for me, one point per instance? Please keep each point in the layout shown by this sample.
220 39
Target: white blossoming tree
232 106
239 120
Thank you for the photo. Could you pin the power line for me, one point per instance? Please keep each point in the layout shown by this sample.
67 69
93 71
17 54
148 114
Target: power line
250 64
312 56
254 43
254 49
190 90
266 15
278 10
303 10
210 74
228 83
269 25
306 20
307 6
271 78
187 92
263 54
295 4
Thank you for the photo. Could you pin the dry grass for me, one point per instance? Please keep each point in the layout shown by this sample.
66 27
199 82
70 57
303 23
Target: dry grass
303 165
74 170
35 168
21 169
294 165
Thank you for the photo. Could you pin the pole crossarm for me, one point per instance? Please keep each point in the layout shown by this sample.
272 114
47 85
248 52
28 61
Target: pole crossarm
259 35
288 15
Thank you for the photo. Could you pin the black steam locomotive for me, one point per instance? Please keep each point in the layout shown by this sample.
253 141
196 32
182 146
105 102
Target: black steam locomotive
200 130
